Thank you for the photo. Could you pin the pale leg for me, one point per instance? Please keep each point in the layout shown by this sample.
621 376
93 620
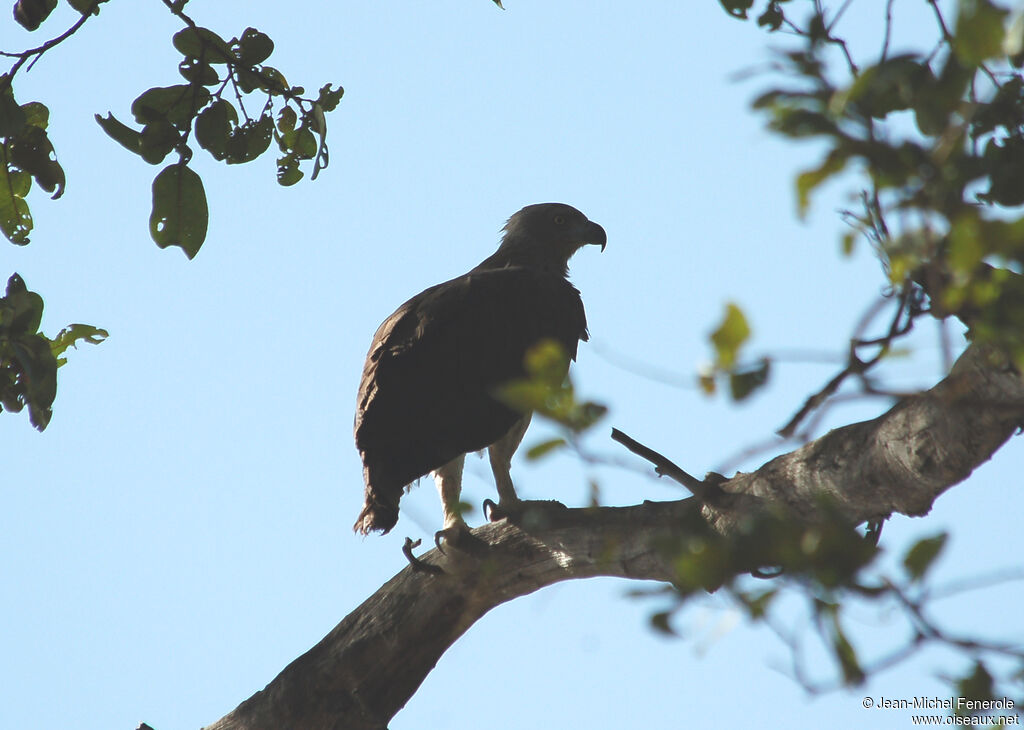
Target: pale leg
500 453
449 484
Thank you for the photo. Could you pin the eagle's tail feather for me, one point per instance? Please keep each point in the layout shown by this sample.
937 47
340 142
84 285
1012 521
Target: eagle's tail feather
376 516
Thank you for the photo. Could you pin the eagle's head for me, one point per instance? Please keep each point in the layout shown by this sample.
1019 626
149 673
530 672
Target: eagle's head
546 234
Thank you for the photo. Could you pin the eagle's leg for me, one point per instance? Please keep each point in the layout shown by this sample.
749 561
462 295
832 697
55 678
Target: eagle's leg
500 453
449 483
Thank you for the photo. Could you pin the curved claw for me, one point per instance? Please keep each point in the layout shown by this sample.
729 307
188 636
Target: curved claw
437 540
459 537
456 535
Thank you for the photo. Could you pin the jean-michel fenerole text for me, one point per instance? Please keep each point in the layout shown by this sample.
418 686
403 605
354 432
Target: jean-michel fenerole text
943 703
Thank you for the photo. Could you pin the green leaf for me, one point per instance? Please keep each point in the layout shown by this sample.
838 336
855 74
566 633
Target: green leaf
86 6
36 114
922 554
547 362
297 144
271 80
254 47
37 370
846 655
808 180
660 623
737 8
12 116
31 13
180 215
248 80
21 310
176 104
890 86
965 243
744 381
772 17
799 123
1004 161
198 72
214 126
305 144
249 141
849 241
32 151
977 686
157 140
28 370
525 395
329 99
15 218
729 336
124 135
202 43
318 123
288 172
286 120
544 447
979 31
71 335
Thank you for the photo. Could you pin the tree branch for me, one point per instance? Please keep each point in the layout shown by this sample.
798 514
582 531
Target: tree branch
368 667
38 51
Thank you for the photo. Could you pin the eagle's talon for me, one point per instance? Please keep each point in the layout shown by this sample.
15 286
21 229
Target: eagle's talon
515 511
503 510
460 538
448 535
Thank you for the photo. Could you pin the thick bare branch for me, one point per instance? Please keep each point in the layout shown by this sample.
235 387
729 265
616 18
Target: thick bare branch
368 667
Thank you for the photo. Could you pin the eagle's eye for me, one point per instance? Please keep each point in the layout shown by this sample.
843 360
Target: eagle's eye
559 220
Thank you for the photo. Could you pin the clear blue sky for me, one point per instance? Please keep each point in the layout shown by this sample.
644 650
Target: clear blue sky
181 531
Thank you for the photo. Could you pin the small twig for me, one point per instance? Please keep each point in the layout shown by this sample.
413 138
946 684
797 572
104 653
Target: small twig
816 399
642 368
929 630
888 30
38 51
416 563
701 489
855 366
176 9
949 38
965 585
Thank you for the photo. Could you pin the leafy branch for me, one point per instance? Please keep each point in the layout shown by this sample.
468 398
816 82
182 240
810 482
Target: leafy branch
170 117
31 13
28 359
938 202
212 68
937 198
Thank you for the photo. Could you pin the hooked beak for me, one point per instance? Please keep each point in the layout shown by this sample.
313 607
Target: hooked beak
594 233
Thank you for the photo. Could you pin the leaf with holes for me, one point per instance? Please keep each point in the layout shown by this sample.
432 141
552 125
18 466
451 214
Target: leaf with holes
15 217
180 214
71 335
